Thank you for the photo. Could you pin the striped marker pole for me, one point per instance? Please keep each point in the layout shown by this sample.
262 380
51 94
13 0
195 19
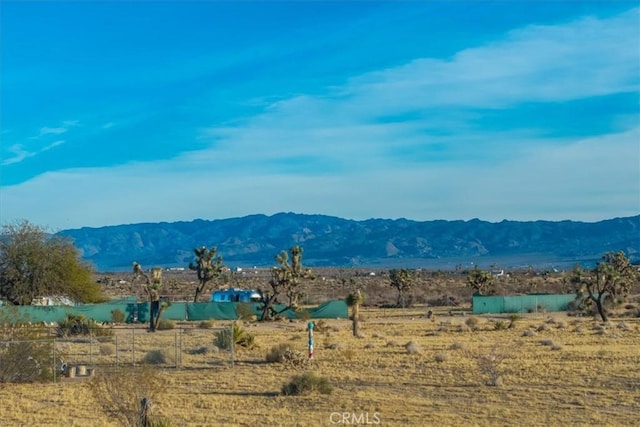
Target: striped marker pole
310 326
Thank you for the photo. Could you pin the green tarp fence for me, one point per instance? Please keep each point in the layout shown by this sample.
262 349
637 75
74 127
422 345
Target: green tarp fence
521 303
139 311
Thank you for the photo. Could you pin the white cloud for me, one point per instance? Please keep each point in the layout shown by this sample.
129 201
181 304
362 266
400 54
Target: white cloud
52 145
17 154
52 131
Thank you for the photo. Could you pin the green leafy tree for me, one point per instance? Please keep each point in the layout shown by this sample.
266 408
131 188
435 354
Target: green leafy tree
403 281
208 267
285 279
34 263
611 279
480 281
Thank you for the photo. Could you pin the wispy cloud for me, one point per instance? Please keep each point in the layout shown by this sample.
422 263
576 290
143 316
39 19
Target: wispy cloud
16 154
52 131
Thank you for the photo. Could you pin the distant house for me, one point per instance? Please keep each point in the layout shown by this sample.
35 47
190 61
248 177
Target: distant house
53 300
236 295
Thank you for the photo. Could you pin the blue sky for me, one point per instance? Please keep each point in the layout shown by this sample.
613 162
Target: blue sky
125 112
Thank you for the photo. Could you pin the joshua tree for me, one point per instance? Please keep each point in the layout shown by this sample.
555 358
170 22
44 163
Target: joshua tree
479 280
612 278
354 300
208 266
403 281
152 288
285 278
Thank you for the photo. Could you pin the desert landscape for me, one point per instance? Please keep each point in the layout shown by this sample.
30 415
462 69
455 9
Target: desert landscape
405 369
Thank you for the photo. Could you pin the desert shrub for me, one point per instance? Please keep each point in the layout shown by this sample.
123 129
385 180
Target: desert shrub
528 333
74 325
120 392
205 350
236 333
547 342
513 318
542 328
320 326
472 322
500 325
441 357
335 346
276 353
107 349
205 324
307 383
489 364
463 328
369 345
378 335
457 346
26 361
556 347
391 344
623 326
166 324
117 316
412 347
159 357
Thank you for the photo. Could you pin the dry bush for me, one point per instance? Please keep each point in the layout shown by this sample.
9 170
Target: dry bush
334 346
472 322
205 350
457 346
542 328
412 347
307 383
441 357
107 349
369 345
26 355
277 353
159 357
547 342
240 338
378 335
489 364
166 324
500 325
528 333
120 392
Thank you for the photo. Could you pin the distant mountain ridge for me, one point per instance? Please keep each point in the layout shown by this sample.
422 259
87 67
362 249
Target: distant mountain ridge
254 240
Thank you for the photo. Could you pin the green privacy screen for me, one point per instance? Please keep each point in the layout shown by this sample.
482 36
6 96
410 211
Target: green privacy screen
139 311
521 303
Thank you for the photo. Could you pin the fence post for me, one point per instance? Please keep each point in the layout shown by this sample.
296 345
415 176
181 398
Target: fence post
116 353
91 347
133 345
54 359
233 344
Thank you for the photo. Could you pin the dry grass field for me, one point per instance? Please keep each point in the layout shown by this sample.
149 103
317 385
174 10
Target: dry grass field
552 369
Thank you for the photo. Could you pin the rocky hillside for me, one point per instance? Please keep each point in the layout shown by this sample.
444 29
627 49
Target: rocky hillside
329 241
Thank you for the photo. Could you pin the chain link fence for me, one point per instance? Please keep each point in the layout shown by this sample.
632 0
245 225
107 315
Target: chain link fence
52 359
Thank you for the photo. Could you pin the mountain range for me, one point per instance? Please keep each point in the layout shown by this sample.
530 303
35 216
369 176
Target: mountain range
329 241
